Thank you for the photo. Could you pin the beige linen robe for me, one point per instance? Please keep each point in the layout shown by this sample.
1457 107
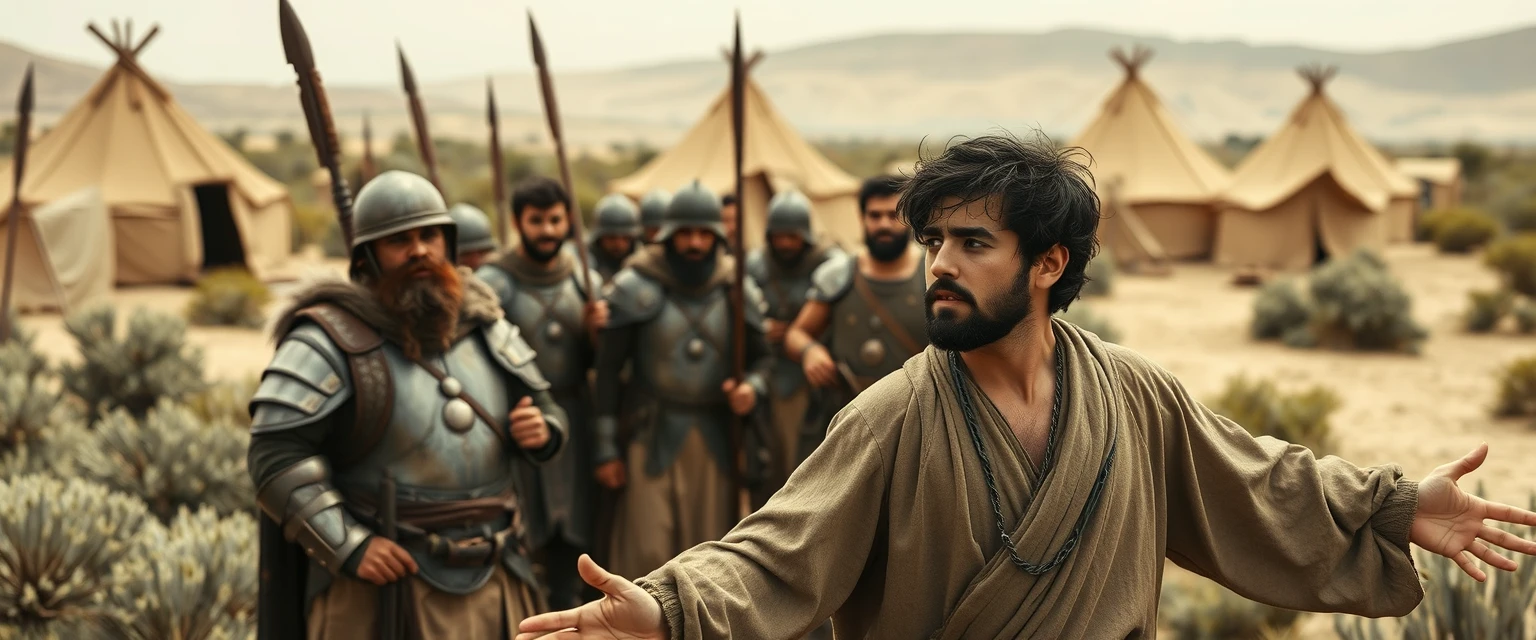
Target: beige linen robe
888 528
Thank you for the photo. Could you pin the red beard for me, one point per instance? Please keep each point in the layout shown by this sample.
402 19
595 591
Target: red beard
427 308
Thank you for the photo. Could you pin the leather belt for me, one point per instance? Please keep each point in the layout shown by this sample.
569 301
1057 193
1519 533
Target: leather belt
478 551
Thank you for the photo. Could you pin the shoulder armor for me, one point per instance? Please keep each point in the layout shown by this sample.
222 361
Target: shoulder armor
756 304
757 265
832 280
833 252
513 353
634 299
307 379
499 280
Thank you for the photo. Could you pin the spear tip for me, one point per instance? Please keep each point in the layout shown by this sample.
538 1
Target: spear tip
295 42
406 76
24 103
538 43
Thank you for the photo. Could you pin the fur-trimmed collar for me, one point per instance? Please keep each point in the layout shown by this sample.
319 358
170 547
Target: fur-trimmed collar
480 305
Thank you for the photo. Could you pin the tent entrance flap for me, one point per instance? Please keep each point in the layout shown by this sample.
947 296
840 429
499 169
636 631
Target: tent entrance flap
222 246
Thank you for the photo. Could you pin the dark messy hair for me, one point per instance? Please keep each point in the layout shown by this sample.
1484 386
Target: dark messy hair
727 200
1046 197
876 187
538 192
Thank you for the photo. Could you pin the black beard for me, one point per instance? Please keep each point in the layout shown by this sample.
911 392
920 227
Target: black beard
888 249
540 256
978 328
790 259
691 271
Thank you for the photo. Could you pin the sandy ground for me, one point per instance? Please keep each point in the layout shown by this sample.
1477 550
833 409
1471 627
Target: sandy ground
1417 411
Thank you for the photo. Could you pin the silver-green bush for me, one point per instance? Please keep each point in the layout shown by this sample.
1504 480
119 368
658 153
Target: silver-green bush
1279 310
197 580
171 459
151 361
1358 304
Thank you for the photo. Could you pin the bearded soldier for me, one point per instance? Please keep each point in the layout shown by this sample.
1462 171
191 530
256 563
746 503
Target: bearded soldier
653 212
402 392
615 235
782 269
1022 478
476 245
541 291
671 315
868 307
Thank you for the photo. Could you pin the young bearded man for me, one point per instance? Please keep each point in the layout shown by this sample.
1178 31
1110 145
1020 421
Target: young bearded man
407 372
1022 478
541 291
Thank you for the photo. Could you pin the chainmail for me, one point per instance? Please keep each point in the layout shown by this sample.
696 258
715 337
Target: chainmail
957 373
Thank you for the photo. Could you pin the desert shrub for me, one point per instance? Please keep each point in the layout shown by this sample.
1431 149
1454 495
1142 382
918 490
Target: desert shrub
311 222
1101 275
1279 309
225 401
1515 260
1521 217
1208 611
152 361
1457 607
1264 410
170 459
1487 308
39 429
196 581
1086 319
1525 315
60 541
229 297
1517 388
1429 223
1357 303
1462 230
18 353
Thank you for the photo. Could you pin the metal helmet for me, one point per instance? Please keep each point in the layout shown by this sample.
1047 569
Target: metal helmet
396 201
653 208
693 206
474 228
616 215
790 212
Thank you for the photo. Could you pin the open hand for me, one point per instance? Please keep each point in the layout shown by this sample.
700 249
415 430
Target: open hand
528 427
743 397
820 370
1449 521
626 611
384 562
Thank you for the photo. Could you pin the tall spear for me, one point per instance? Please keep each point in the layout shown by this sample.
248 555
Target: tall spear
19 167
317 112
738 291
498 173
552 113
369 169
419 121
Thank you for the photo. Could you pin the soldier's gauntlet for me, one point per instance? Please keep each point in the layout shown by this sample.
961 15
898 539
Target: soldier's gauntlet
301 499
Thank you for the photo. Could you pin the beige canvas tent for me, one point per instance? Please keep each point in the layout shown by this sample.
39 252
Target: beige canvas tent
1315 188
776 158
1168 184
180 199
1439 180
64 254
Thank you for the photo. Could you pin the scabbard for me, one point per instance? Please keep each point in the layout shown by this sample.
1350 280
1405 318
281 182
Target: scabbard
389 594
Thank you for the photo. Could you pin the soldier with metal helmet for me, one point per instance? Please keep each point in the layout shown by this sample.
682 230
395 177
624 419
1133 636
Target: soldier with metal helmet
615 234
782 268
476 244
670 313
543 293
869 307
384 434
653 212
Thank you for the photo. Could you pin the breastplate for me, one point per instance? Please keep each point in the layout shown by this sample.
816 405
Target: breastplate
860 337
550 317
432 461
785 294
684 352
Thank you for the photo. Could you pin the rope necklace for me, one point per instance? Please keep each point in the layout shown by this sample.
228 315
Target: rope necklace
957 373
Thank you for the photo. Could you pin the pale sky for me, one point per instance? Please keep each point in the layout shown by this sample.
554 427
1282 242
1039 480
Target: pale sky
238 41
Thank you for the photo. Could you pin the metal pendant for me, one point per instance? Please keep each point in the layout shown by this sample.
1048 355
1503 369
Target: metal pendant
872 352
458 415
695 348
556 331
450 387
